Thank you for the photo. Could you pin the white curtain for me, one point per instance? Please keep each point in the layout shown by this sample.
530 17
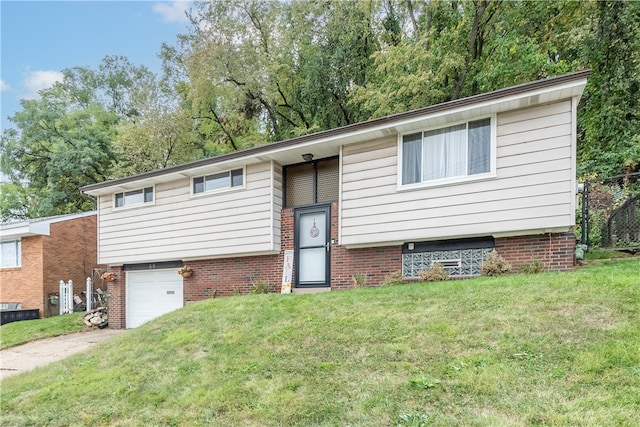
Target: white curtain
445 153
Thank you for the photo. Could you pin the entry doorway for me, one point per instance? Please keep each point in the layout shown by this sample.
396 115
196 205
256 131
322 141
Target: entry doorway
313 246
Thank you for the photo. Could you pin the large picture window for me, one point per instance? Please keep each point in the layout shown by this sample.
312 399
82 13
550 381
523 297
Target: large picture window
135 197
217 181
11 253
453 151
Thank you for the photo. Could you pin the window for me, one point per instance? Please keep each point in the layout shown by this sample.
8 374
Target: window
11 253
135 197
454 151
217 181
460 258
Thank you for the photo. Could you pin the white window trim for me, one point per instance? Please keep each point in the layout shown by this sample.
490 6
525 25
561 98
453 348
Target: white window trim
456 179
135 205
219 190
18 254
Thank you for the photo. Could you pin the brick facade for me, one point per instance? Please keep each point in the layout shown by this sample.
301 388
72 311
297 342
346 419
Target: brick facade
235 276
69 252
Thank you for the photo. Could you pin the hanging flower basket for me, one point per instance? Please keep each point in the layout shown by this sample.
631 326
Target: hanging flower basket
185 271
108 276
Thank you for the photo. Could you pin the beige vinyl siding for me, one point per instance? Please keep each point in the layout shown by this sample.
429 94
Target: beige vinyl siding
532 191
232 222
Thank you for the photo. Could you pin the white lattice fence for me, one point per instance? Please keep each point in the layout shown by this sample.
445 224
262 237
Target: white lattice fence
66 297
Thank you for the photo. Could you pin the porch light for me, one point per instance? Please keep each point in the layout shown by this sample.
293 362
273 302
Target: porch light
307 157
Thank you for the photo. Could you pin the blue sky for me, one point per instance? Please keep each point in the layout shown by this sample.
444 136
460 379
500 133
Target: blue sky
39 39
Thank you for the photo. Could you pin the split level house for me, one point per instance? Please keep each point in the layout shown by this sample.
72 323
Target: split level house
38 253
448 183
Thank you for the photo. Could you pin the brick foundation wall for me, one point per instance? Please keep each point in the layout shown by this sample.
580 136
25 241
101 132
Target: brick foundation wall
555 250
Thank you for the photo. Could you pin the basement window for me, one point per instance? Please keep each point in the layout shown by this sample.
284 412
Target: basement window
461 258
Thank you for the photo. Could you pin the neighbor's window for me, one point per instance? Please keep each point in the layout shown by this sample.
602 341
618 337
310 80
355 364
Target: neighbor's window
217 181
11 253
454 151
135 197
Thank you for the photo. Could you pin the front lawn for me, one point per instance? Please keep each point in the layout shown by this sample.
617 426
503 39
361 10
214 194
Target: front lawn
525 350
16 333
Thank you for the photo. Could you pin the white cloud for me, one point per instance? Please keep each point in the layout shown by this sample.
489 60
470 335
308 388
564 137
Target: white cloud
38 80
172 11
4 86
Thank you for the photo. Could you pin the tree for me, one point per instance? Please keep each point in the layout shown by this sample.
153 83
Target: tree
159 139
260 71
55 152
610 120
63 140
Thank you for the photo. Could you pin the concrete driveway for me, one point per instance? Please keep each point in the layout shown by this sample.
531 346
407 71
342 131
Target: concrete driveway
26 357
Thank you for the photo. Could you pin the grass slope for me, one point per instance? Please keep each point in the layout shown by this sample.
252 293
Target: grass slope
16 333
548 349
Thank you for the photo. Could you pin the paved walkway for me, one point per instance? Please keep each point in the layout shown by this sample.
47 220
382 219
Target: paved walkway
25 357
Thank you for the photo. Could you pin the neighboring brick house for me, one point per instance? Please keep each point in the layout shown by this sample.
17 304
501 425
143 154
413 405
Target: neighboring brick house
38 253
448 183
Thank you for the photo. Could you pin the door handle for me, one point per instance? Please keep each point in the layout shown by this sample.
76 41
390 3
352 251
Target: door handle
328 246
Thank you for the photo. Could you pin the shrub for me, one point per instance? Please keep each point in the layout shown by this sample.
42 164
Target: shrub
436 273
359 280
495 265
536 266
261 287
395 278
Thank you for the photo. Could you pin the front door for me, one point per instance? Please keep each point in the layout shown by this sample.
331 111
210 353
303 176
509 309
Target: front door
313 246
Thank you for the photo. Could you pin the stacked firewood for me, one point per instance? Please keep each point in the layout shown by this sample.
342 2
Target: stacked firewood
96 318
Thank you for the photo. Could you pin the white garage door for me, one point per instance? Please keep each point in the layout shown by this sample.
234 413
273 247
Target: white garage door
151 294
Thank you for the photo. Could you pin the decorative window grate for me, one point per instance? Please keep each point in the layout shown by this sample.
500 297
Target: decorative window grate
459 262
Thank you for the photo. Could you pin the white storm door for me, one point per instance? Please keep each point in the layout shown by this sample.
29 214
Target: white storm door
313 246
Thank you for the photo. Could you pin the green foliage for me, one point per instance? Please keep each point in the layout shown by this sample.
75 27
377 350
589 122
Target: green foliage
424 382
261 287
495 265
435 273
610 119
251 72
57 150
394 278
359 280
534 267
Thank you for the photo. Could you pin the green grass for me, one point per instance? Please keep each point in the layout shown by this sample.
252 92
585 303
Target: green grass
558 349
597 254
16 333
